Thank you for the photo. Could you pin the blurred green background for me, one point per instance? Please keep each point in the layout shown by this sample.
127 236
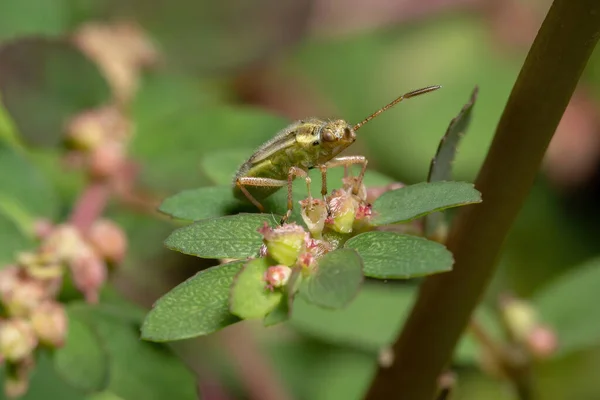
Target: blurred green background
197 77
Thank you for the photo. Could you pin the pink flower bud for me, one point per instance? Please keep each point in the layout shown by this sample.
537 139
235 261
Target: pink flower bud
284 243
23 297
43 228
49 322
109 240
277 276
17 339
542 342
89 274
106 160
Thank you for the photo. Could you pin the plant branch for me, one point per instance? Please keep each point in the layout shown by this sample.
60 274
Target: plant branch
541 93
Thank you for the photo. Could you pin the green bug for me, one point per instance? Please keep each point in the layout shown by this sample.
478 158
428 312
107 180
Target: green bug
304 145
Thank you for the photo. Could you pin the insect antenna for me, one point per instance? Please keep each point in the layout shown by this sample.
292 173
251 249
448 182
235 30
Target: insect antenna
408 95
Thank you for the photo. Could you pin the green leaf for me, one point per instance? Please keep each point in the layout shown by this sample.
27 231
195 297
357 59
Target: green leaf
218 201
106 395
388 255
201 203
25 194
250 298
198 306
138 369
32 17
280 313
414 201
374 319
83 361
12 239
174 164
570 306
370 322
441 165
336 280
221 166
235 236
44 82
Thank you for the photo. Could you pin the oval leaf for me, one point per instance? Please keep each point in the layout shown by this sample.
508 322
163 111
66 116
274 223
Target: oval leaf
388 255
201 203
250 297
234 236
414 201
82 361
570 305
336 281
198 306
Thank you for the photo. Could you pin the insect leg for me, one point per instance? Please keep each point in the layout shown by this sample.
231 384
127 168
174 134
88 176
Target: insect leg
261 182
346 162
295 172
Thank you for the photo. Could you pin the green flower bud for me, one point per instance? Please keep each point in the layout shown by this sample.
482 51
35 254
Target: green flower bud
342 209
314 214
284 243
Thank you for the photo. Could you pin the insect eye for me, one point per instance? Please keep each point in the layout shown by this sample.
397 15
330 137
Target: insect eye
315 143
328 136
347 132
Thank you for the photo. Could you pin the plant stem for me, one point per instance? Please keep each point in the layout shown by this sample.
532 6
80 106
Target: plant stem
545 84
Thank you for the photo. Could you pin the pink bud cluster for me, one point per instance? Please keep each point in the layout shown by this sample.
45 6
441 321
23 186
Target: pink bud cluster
31 315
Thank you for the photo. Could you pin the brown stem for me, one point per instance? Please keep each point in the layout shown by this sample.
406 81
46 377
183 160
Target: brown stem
545 84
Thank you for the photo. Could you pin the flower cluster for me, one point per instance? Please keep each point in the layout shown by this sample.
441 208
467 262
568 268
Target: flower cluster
344 212
31 316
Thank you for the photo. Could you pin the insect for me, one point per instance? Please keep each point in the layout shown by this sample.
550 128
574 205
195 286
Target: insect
303 145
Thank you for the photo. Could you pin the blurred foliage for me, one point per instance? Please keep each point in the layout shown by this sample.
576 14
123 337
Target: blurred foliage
192 127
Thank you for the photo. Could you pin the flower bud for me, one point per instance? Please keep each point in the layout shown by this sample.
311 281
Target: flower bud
16 378
9 276
25 295
284 243
277 276
314 214
49 321
520 317
89 274
84 132
64 242
109 240
106 160
15 386
42 228
17 339
542 342
342 209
